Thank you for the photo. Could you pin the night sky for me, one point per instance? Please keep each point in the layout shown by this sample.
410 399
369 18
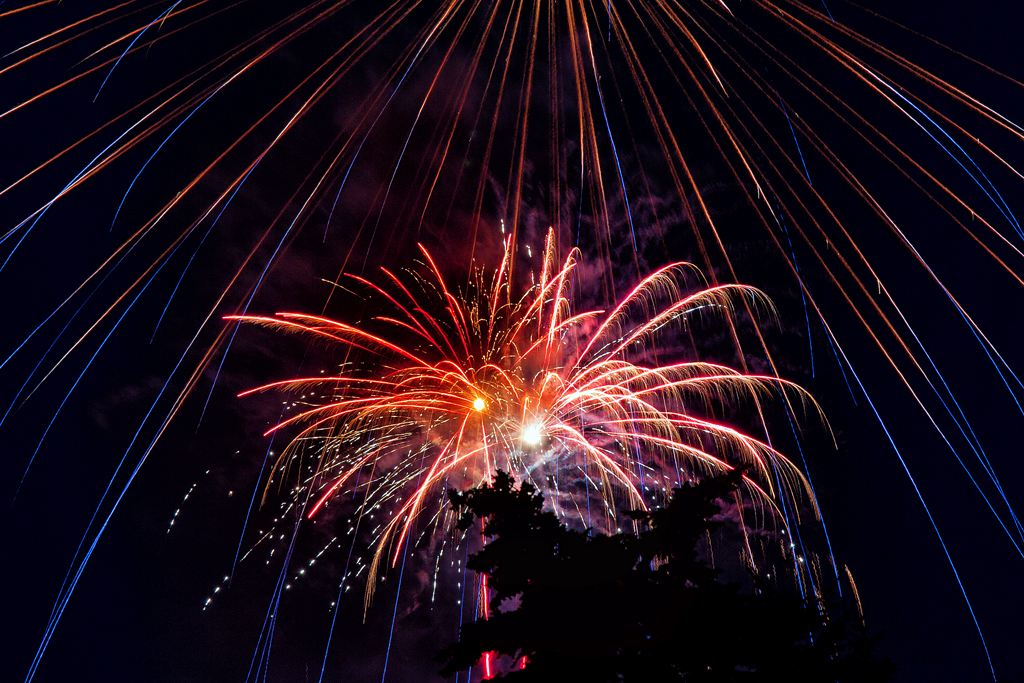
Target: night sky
138 611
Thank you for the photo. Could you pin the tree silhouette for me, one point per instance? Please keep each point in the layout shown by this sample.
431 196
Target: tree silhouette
639 607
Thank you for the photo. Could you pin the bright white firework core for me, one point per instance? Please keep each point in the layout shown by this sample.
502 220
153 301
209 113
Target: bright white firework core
531 434
478 404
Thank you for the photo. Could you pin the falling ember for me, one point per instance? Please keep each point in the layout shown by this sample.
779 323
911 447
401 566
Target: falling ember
577 402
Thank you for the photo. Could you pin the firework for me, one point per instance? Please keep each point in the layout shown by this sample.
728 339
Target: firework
619 119
455 385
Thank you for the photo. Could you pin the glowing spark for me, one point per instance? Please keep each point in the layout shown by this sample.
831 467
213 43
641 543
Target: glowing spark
532 434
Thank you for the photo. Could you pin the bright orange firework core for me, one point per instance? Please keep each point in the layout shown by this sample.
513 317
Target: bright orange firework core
478 404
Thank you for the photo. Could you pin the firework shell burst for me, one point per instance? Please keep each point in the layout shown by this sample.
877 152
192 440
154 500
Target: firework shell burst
878 169
582 404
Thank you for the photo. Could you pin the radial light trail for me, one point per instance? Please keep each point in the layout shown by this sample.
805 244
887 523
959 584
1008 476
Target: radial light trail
619 117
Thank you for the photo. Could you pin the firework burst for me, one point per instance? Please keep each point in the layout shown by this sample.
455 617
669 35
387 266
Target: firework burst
186 116
580 403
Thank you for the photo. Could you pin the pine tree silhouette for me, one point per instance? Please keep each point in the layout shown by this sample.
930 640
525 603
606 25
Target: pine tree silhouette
640 607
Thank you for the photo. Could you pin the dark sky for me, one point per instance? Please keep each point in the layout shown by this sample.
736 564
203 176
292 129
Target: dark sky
137 612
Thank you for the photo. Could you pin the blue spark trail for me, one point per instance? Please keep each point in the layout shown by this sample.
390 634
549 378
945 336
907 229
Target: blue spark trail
130 45
248 512
972 441
159 147
828 335
65 596
1001 205
255 288
986 347
82 374
39 213
341 589
462 600
270 621
401 573
920 498
394 614
46 353
196 252
412 63
799 151
810 483
799 278
611 139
